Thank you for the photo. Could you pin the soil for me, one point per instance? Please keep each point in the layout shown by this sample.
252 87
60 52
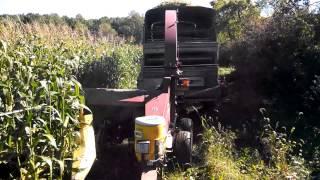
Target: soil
115 163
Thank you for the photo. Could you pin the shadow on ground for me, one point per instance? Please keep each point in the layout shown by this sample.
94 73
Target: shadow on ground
115 163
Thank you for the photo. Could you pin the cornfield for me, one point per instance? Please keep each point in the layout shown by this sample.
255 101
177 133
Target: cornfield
41 93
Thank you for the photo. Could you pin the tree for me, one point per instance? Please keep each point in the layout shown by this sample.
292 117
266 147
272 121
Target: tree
105 29
233 17
130 26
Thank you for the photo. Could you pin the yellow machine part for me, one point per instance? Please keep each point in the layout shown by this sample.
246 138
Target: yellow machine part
150 133
85 154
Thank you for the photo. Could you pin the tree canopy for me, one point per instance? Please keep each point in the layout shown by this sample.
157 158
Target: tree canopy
127 27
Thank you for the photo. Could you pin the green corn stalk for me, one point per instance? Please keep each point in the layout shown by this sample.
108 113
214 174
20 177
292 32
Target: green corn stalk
40 96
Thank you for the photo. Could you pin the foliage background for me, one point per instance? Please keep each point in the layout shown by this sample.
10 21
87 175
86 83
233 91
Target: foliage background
276 61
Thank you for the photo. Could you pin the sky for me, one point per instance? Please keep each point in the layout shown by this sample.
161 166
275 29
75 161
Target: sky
89 9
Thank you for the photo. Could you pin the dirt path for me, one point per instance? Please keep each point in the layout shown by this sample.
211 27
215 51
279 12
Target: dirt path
114 164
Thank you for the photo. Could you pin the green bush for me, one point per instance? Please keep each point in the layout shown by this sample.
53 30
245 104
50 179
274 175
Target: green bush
277 66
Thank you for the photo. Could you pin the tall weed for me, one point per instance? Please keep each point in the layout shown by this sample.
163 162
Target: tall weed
219 158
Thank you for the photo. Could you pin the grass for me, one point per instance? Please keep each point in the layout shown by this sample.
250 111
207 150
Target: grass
221 159
217 160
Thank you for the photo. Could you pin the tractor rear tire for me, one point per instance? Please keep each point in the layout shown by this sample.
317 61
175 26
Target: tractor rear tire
183 147
186 124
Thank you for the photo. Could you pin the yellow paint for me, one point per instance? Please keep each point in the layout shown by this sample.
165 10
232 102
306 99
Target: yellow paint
150 133
85 154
